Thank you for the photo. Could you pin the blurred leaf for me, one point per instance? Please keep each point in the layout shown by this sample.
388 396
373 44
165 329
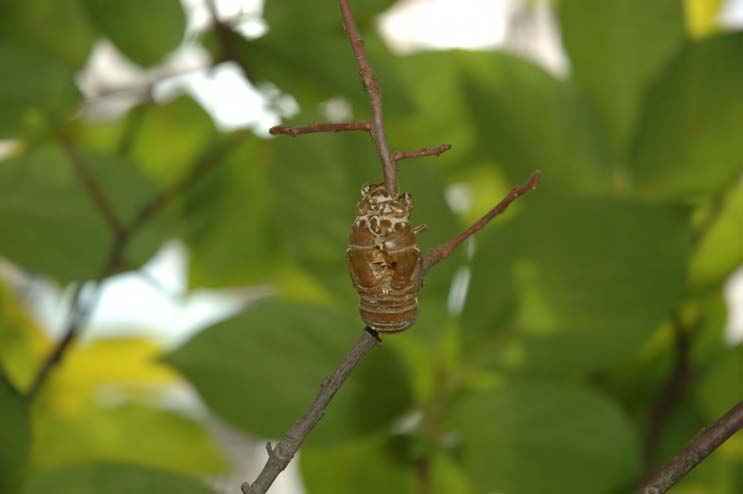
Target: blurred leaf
529 436
15 437
234 235
719 391
529 120
688 138
574 283
144 30
126 365
702 16
113 478
32 80
21 340
182 125
617 48
130 431
316 16
718 253
361 467
326 63
51 224
282 352
59 28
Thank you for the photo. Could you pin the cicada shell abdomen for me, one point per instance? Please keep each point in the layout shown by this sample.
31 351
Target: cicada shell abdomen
384 260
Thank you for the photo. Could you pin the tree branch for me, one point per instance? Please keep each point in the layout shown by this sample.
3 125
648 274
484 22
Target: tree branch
404 155
443 251
91 185
320 127
371 86
80 310
695 451
280 455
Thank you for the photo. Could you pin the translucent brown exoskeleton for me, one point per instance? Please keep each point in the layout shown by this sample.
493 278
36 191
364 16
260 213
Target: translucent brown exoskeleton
384 260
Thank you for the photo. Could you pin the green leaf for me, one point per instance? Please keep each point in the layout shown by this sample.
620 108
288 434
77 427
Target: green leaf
528 436
15 437
617 48
128 432
233 234
314 16
21 340
688 137
528 120
167 139
718 253
574 284
113 478
262 369
361 467
144 30
69 37
32 81
51 225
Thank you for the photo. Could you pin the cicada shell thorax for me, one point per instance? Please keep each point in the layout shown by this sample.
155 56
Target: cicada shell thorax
384 260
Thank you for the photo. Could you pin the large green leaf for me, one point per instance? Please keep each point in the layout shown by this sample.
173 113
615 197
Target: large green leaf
128 432
15 437
571 284
167 139
70 36
234 235
524 437
688 138
617 48
32 80
314 16
50 224
262 369
529 120
113 478
361 467
144 30
21 340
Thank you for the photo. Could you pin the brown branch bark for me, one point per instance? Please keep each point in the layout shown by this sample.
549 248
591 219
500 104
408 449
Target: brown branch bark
91 185
80 310
695 451
320 127
280 455
405 155
438 254
371 86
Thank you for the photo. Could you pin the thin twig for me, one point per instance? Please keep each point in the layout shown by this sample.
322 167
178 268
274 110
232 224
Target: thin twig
92 187
81 310
280 455
320 127
371 86
405 155
443 251
673 392
695 451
